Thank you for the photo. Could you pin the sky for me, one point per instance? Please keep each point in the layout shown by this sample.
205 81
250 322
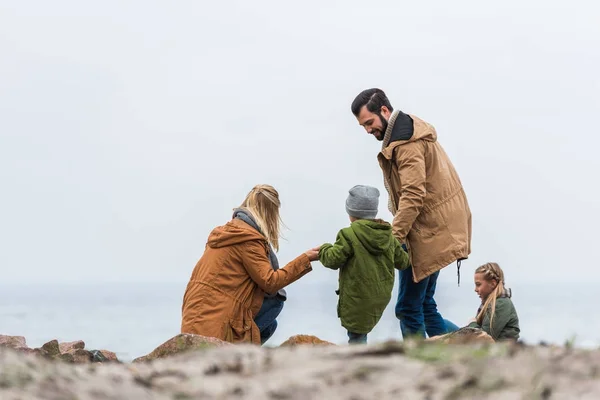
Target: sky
130 129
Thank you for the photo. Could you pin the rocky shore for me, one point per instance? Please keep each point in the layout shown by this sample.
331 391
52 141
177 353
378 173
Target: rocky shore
74 352
464 365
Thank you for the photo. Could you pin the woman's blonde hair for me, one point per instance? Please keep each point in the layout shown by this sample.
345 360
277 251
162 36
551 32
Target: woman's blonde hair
491 272
263 203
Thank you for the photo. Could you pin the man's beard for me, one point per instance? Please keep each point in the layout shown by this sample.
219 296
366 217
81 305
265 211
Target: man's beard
384 126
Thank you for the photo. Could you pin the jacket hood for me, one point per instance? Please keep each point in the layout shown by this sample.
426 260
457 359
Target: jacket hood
422 131
234 232
402 127
406 128
375 236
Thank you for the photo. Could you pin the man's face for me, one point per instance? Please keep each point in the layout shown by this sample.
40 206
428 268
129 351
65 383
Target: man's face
374 123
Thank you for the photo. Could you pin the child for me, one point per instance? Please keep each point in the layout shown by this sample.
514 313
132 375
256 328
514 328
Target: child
366 253
497 315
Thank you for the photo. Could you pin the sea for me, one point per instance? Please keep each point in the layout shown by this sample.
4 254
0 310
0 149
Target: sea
131 319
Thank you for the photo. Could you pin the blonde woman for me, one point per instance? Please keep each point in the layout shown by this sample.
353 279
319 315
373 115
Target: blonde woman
236 291
497 315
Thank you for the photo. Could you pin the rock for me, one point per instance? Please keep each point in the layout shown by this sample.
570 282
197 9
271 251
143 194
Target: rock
65 347
14 342
109 355
305 339
102 356
464 335
51 349
182 343
375 371
27 350
81 356
72 352
67 357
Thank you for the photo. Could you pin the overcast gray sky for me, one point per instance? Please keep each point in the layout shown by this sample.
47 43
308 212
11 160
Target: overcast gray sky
129 129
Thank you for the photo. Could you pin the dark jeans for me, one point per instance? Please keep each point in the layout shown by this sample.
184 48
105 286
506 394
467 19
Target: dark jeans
416 309
266 319
357 338
451 326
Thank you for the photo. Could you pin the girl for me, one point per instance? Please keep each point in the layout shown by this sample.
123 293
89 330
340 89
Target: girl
235 291
496 315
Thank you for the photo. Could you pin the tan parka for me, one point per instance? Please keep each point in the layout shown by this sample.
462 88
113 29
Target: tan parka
227 286
431 213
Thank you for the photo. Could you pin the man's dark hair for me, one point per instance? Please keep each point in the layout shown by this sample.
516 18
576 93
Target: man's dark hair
374 99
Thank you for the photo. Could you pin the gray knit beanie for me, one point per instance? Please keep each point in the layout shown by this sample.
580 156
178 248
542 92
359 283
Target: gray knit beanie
362 202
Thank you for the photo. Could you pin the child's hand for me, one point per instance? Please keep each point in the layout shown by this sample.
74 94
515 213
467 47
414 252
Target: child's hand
313 254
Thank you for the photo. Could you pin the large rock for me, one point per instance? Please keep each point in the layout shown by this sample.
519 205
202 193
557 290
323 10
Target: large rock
14 342
382 371
109 355
51 348
464 335
78 356
305 339
82 356
182 343
66 347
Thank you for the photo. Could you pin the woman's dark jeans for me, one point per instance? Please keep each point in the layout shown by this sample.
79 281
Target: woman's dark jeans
266 319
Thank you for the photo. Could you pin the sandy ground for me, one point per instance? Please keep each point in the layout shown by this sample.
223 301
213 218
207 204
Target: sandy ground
393 370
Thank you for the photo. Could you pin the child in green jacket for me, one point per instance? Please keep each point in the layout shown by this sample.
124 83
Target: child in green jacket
366 254
497 315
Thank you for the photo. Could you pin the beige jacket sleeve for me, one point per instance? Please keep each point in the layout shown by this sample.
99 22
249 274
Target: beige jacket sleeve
410 160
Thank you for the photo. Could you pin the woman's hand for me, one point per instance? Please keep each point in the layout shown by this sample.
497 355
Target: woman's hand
313 254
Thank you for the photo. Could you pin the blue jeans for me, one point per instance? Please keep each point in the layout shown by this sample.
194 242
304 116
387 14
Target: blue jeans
357 338
266 319
416 309
451 326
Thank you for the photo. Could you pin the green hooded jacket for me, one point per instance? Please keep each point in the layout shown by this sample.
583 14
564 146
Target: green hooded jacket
505 325
366 254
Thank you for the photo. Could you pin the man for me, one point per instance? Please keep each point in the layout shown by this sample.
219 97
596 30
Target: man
431 213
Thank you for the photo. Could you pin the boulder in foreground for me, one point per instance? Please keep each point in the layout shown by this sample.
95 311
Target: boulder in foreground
398 370
182 343
464 335
305 339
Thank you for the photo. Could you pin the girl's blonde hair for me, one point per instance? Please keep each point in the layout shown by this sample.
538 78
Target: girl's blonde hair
491 272
263 203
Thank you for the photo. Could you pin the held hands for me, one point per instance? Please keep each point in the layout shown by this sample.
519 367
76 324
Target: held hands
313 254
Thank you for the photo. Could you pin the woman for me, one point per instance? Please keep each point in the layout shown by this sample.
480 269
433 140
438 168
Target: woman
239 273
497 315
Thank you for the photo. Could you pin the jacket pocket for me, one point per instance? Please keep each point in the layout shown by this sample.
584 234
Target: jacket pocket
429 224
237 331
